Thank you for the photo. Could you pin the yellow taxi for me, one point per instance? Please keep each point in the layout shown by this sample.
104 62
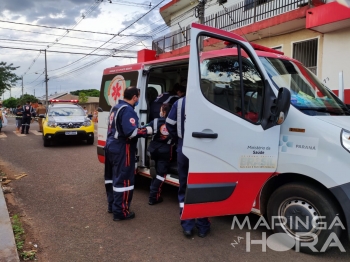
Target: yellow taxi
66 120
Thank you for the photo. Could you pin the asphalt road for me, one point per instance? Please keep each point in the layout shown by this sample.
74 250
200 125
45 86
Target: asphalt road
64 197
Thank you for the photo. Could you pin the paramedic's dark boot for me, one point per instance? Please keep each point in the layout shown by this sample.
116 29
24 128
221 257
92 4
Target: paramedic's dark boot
22 132
154 202
27 129
131 215
152 169
203 234
187 233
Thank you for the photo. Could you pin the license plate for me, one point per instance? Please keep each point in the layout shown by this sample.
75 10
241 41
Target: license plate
72 133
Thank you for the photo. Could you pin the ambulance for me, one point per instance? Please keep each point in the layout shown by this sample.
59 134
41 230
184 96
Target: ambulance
263 135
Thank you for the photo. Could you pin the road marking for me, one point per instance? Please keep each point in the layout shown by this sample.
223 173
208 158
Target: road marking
18 134
2 135
35 132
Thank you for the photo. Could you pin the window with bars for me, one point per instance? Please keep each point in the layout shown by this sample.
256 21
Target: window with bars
306 53
249 4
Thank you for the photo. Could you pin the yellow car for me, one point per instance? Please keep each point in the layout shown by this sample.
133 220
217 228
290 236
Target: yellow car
66 121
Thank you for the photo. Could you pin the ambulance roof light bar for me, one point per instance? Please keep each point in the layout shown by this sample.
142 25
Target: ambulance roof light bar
258 47
58 100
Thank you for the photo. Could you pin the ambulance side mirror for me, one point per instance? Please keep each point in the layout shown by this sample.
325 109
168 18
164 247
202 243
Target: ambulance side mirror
282 104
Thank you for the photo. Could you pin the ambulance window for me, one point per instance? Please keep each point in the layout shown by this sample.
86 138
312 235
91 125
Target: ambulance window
157 87
221 85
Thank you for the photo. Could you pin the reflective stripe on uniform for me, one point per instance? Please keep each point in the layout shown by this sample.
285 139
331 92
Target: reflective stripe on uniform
155 124
170 121
181 204
123 189
160 178
133 133
115 121
179 120
168 100
108 181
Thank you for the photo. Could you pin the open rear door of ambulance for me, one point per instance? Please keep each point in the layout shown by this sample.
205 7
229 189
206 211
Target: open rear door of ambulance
231 146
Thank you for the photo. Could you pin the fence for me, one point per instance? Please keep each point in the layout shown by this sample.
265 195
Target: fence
241 14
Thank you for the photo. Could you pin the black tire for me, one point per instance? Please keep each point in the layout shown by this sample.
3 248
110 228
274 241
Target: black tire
90 141
306 202
46 142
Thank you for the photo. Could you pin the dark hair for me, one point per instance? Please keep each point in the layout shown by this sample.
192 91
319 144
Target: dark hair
28 102
130 92
18 106
166 108
40 103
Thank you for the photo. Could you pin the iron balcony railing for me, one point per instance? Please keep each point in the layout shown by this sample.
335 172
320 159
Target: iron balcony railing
241 14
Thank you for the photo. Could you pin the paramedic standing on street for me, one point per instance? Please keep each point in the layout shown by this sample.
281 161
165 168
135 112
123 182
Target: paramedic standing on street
26 117
175 124
120 153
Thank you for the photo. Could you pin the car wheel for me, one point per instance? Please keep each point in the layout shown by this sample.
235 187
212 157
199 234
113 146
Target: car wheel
46 143
90 141
305 213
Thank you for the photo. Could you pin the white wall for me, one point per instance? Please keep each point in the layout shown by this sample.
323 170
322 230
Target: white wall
336 58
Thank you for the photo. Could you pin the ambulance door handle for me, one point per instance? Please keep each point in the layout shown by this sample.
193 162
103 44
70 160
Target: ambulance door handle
204 135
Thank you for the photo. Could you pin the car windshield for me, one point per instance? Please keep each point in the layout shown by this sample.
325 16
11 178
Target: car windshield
66 112
308 94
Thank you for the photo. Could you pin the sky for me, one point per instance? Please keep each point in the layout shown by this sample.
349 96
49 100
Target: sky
70 72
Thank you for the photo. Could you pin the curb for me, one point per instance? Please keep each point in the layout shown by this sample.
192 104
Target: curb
8 250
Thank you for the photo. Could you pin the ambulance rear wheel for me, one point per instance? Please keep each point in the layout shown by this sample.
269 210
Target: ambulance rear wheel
301 211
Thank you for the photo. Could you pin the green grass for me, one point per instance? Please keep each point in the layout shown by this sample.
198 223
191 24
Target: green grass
18 232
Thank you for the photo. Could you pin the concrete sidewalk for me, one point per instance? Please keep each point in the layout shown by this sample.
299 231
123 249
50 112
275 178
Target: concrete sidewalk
8 250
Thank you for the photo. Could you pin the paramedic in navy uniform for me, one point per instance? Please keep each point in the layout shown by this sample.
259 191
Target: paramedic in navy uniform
175 123
26 117
120 152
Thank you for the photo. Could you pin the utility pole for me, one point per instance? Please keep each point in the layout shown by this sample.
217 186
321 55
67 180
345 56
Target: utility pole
46 80
10 92
201 8
22 85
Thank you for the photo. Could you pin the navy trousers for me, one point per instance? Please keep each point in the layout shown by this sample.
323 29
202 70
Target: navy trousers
162 160
202 224
25 124
120 168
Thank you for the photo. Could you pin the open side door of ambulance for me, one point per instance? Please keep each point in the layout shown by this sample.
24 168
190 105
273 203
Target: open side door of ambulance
232 125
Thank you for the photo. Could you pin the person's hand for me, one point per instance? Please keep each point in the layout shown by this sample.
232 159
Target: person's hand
142 132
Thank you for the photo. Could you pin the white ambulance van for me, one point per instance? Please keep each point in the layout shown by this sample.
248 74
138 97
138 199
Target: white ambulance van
245 154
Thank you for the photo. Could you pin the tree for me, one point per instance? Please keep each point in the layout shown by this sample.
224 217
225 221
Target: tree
7 77
82 98
10 103
88 92
23 99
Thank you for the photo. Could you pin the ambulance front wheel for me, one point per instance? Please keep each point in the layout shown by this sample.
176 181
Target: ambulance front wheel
304 214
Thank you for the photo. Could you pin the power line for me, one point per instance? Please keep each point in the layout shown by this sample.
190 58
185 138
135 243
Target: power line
62 52
70 45
113 36
67 30
98 60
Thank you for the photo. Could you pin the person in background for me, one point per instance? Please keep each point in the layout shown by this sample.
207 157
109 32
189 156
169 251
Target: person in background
19 114
41 110
1 117
27 115
85 110
95 116
160 149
